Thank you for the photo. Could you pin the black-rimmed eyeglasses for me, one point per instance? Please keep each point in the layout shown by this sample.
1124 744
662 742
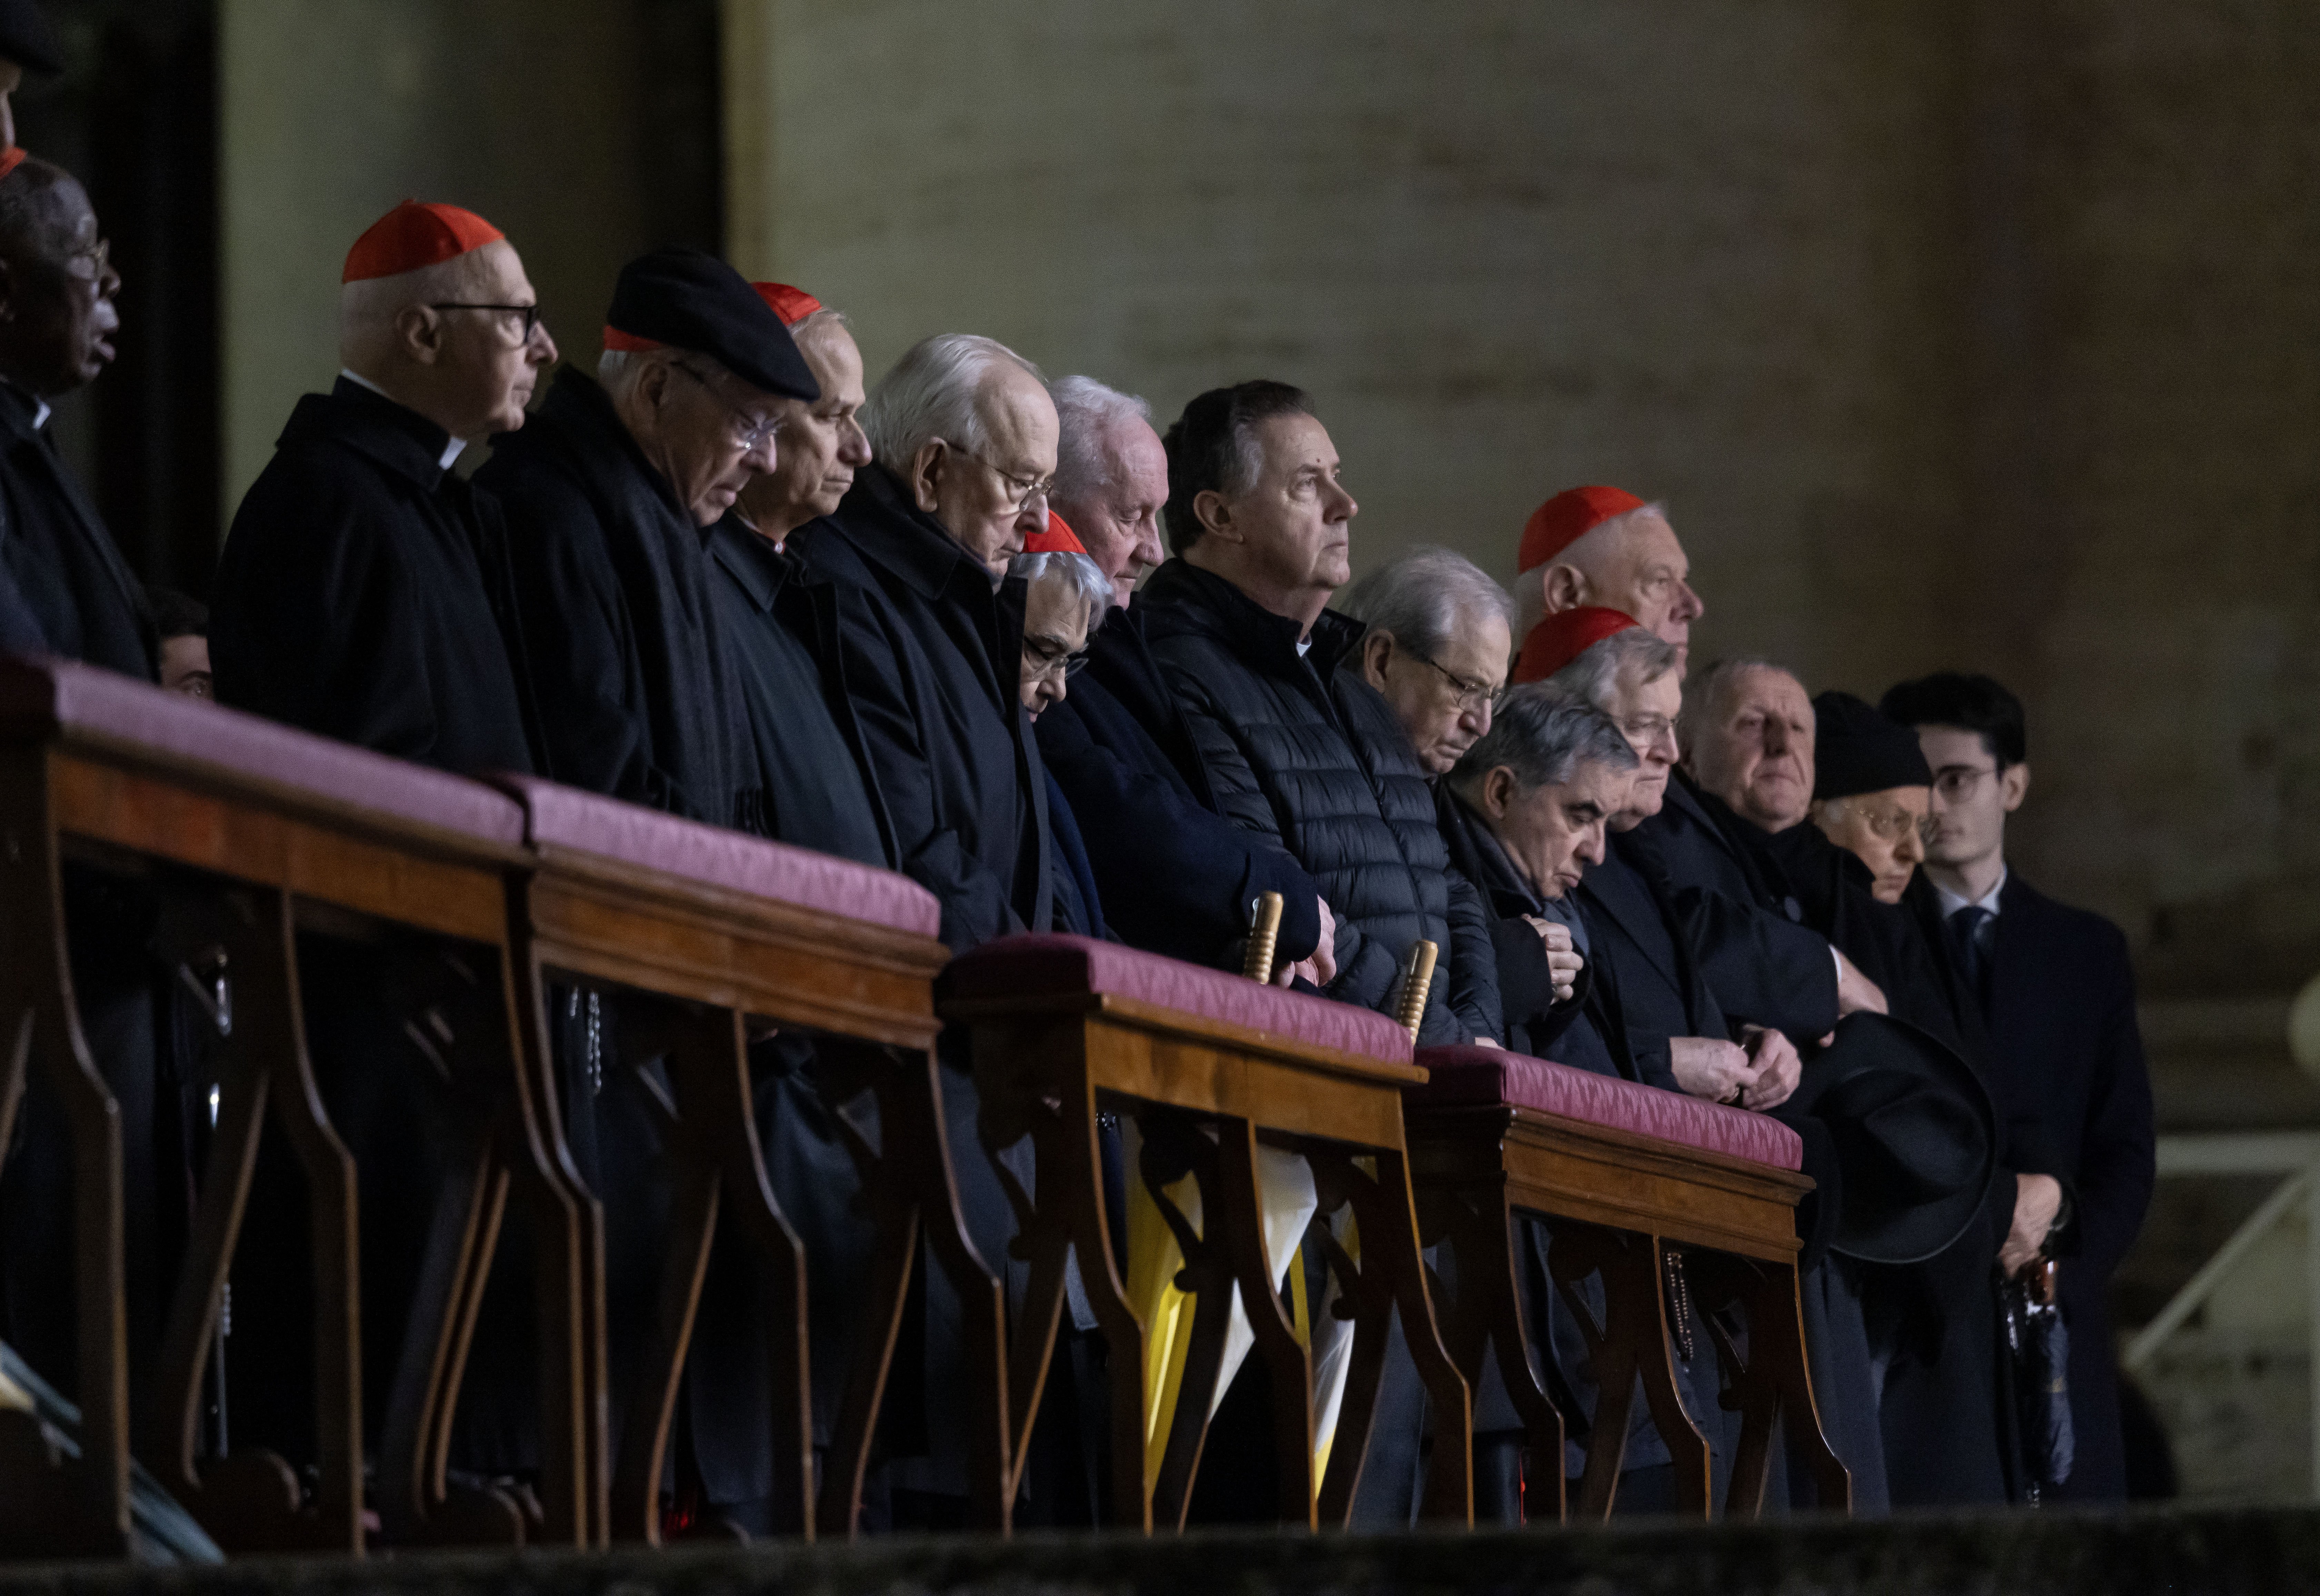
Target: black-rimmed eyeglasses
529 313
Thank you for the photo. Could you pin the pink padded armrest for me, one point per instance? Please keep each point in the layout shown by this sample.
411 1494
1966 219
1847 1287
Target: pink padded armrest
1045 966
39 697
1464 1075
566 817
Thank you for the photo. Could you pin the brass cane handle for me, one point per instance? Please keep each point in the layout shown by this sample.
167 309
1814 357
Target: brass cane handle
1417 980
1263 934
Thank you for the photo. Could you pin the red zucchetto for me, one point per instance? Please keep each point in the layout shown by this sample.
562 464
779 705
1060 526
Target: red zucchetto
413 235
1058 539
12 158
1555 525
792 306
1563 636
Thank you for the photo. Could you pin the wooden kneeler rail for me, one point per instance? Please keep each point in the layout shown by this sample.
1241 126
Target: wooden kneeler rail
1058 1028
1619 1201
699 931
255 831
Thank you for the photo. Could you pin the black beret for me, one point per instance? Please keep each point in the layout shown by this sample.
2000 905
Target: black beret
1859 748
27 39
687 299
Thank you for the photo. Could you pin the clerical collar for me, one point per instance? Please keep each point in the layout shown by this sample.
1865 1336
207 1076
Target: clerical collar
1951 903
451 451
40 410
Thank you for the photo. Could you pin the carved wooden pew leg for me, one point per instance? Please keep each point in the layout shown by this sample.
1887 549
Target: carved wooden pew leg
249 1501
38 1017
1240 1214
1390 1243
1174 1147
1636 1299
1079 1166
1773 1382
1579 1251
1481 1236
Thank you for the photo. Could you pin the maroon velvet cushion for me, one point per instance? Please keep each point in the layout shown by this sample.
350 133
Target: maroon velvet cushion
1043 965
1463 1076
39 696
566 817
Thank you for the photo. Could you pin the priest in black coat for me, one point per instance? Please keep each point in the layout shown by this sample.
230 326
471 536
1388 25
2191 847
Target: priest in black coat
365 594
609 491
780 622
963 440
365 591
65 590
1946 1403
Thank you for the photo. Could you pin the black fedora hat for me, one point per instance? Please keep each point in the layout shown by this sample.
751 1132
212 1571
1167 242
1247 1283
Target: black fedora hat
1916 1137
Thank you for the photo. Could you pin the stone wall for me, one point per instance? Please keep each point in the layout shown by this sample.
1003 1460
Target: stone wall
1954 334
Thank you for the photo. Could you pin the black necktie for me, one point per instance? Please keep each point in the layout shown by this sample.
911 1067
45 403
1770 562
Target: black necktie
1966 946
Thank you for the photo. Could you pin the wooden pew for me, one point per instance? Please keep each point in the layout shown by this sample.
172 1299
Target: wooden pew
698 932
1627 1175
1213 1066
259 832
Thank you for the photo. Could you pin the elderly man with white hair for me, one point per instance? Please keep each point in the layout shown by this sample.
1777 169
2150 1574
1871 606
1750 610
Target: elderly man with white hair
962 461
1176 877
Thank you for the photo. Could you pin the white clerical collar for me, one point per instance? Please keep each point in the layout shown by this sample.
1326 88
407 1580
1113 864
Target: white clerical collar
451 451
40 412
1951 903
1304 646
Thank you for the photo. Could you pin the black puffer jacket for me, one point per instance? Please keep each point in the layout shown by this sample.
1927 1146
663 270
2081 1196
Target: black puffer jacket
1312 755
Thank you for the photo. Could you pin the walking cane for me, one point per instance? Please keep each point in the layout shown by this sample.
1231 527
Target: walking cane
1263 935
1416 979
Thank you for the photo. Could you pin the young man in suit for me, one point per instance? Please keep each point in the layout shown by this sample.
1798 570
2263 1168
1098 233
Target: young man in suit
2057 995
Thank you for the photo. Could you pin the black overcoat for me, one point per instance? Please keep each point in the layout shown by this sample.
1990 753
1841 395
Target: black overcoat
364 593
933 660
637 695
75 598
1766 967
1174 876
1537 1022
2067 1066
1303 752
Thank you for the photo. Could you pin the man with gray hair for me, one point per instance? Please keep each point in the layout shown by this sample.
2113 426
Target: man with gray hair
931 636
1437 647
1175 875
1523 813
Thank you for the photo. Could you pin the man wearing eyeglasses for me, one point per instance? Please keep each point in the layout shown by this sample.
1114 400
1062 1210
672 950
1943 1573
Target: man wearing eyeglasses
609 491
364 592
2055 989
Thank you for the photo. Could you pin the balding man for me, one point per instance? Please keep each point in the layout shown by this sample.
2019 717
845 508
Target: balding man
1769 968
1174 876
364 591
1603 547
962 457
608 491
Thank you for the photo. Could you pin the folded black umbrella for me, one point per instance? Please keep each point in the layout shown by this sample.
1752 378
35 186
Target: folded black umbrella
2040 1344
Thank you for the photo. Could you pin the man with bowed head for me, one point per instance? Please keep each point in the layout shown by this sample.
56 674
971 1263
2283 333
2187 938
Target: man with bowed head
364 592
1176 876
963 453
608 490
810 759
1300 750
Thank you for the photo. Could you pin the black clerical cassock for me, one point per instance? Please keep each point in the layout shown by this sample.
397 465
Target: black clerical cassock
65 590
364 592
364 595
